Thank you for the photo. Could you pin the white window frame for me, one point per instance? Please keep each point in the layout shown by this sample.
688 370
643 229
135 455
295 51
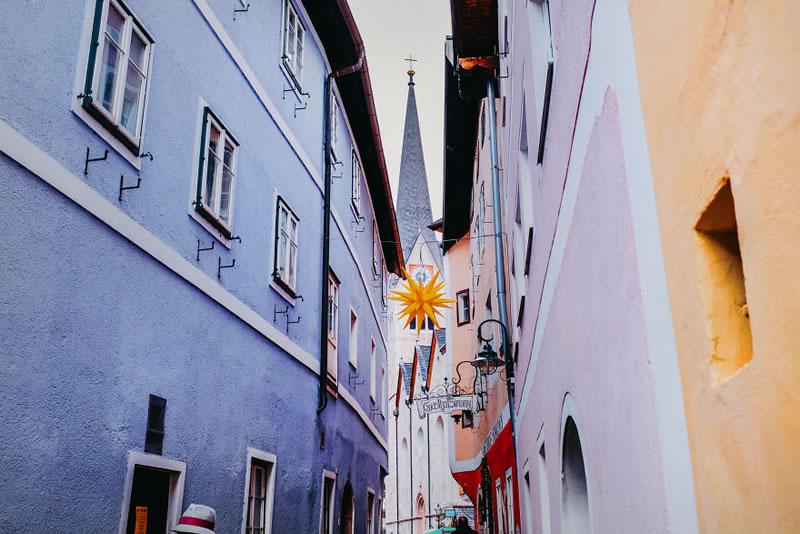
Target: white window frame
370 516
333 327
384 391
331 516
211 213
376 250
499 507
88 70
334 120
293 65
353 339
355 184
463 294
281 272
544 486
177 470
543 55
372 370
269 488
384 283
509 497
481 218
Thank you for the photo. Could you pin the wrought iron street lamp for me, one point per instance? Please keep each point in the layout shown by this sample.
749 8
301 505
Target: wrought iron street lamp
487 360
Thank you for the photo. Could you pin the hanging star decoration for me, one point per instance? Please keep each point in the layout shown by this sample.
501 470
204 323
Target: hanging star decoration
420 300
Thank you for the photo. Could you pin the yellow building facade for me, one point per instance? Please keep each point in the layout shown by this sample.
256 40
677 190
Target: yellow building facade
721 99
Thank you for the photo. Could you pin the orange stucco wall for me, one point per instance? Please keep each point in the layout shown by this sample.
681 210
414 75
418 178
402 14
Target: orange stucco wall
720 92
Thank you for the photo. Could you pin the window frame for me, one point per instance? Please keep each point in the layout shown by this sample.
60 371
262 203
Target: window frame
290 283
353 348
355 183
255 456
290 63
459 295
111 122
384 283
209 213
369 517
333 329
328 475
334 120
376 250
373 368
177 470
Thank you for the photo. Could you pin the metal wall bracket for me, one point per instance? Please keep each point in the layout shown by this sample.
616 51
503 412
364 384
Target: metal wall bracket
352 379
237 238
89 160
301 108
199 250
125 188
147 155
276 312
288 322
220 266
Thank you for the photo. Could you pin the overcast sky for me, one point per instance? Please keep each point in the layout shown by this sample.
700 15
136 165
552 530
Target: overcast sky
392 30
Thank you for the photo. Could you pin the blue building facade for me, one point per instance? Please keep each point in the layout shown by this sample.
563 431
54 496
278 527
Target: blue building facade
173 329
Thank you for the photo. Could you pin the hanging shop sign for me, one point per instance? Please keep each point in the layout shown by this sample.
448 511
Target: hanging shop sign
444 404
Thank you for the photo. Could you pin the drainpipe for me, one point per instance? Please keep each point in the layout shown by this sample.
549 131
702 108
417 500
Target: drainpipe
326 229
428 424
396 473
411 462
499 261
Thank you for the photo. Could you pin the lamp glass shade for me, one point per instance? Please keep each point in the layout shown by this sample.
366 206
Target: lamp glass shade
487 360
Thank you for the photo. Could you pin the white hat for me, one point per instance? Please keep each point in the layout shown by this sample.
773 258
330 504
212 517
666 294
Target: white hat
197 519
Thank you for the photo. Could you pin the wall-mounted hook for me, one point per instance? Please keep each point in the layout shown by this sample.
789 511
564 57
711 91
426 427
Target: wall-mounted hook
299 297
336 163
288 322
361 231
352 379
199 250
374 411
499 77
336 176
147 155
124 188
89 160
245 10
87 96
220 266
301 108
276 312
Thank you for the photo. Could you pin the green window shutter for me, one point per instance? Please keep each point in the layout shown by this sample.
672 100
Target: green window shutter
87 86
198 199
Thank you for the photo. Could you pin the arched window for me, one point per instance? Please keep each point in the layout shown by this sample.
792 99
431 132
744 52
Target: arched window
574 490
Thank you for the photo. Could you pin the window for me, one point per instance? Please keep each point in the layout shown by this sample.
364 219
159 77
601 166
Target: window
334 118
543 55
481 218
574 490
370 512
326 516
355 187
286 226
260 492
500 508
216 174
154 436
293 35
353 339
333 322
117 73
153 493
372 371
544 492
463 306
376 251
384 283
380 515
384 391
509 497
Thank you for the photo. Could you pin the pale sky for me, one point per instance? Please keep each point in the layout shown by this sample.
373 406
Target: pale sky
393 29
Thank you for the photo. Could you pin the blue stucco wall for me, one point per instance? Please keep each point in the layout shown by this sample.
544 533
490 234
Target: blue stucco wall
91 325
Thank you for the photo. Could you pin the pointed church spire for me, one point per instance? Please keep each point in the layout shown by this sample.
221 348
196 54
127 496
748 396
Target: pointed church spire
413 199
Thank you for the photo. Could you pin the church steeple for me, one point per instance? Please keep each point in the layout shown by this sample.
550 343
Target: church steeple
413 199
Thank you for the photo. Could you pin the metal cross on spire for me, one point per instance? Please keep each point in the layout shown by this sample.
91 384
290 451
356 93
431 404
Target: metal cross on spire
411 72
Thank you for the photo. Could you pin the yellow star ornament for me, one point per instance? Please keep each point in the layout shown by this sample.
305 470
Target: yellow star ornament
421 300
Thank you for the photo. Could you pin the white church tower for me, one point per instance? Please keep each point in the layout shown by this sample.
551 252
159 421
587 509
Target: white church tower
419 483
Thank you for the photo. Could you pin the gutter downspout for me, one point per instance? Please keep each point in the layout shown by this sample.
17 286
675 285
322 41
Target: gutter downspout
499 263
326 229
428 424
396 470
410 460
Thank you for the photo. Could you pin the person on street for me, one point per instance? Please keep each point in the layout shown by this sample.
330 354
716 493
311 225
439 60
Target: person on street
462 526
